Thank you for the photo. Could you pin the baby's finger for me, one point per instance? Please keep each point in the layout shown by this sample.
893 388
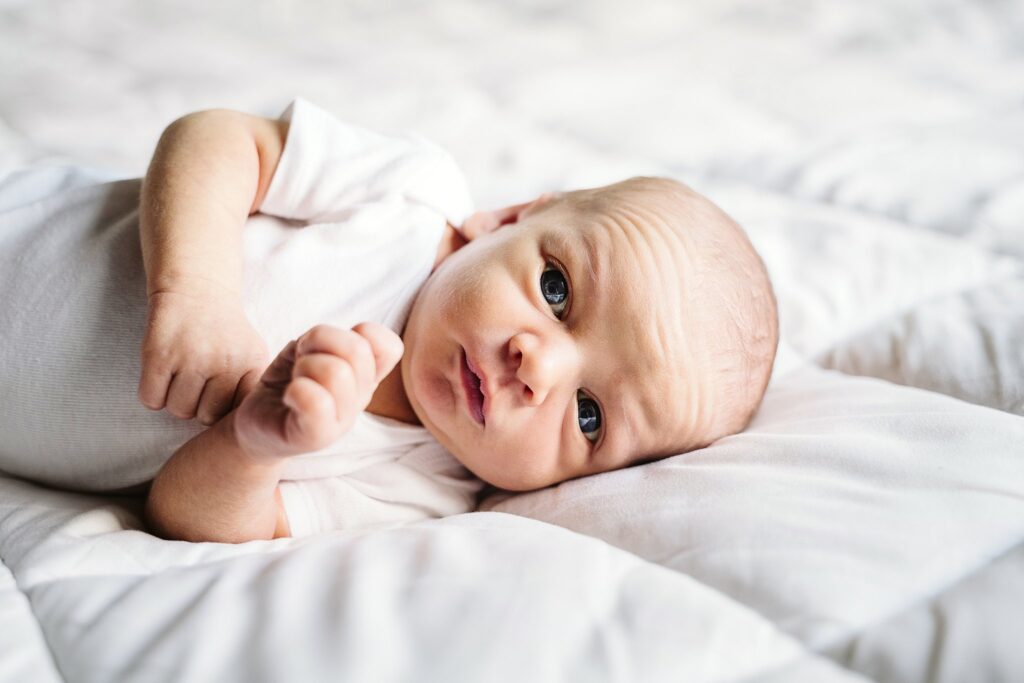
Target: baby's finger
183 394
347 345
153 387
340 378
249 381
216 399
386 345
313 410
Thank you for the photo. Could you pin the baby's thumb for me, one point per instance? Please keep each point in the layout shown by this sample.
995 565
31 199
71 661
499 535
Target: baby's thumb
387 347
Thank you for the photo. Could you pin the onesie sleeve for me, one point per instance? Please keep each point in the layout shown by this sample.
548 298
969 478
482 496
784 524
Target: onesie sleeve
423 484
328 166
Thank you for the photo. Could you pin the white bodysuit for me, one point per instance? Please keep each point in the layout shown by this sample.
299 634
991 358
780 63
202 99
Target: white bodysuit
347 232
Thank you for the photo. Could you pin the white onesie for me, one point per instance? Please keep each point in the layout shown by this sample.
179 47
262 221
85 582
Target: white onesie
347 232
377 208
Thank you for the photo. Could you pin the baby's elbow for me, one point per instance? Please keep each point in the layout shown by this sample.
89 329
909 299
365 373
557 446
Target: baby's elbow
157 523
162 521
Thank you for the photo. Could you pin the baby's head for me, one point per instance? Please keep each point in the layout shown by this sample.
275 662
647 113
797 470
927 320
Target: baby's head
608 327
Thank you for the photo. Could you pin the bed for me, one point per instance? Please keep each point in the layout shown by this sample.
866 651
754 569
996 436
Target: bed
867 526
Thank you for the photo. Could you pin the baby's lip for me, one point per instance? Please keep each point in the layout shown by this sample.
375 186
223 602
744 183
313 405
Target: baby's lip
473 386
478 370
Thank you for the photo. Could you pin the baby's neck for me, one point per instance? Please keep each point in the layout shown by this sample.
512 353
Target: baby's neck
390 400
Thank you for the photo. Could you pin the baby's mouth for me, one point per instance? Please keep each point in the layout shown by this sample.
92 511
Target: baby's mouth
471 385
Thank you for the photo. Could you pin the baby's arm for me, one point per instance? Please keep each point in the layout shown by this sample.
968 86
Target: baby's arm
222 485
210 171
213 489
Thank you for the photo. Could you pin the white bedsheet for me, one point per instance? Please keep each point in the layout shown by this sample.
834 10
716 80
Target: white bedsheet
870 523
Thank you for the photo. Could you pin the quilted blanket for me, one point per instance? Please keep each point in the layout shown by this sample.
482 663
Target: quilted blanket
867 526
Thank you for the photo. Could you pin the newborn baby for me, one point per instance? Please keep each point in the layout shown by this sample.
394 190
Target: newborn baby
574 334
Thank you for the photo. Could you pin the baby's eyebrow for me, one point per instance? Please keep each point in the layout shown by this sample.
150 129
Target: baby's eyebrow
589 266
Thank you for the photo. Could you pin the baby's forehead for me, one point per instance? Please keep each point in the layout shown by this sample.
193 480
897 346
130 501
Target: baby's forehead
654 228
639 252
641 249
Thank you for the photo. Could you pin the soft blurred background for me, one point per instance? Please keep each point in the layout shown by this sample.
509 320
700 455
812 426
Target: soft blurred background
855 104
843 136
874 151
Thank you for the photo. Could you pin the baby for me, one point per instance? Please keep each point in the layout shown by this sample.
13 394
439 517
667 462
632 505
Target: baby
574 334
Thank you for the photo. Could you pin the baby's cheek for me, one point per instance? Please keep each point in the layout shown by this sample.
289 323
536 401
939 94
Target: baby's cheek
536 463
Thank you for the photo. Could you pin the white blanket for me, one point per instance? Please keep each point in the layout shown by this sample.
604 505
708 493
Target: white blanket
869 525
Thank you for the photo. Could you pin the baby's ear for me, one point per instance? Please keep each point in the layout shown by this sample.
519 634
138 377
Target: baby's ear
483 222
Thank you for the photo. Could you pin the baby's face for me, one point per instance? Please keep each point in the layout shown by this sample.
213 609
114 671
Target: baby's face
574 322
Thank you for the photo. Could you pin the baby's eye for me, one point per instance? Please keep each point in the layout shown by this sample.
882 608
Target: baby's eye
589 416
555 289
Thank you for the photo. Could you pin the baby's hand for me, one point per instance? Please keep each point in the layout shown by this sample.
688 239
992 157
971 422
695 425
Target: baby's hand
313 391
483 222
200 355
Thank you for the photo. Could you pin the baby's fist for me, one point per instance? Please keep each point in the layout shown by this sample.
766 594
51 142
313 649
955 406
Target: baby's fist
313 391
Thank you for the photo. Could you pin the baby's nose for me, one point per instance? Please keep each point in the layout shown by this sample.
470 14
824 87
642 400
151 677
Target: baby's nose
543 363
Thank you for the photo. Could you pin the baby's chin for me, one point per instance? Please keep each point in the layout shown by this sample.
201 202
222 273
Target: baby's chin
486 465
480 461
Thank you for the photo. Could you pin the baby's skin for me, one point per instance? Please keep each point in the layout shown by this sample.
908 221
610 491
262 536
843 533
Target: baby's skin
562 337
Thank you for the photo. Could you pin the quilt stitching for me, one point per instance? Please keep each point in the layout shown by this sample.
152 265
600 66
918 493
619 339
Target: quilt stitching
39 624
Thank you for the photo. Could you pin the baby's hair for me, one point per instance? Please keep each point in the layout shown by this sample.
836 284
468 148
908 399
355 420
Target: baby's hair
730 277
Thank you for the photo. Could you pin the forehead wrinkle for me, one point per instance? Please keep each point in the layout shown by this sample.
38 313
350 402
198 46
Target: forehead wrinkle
668 248
687 378
665 247
640 313
666 279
